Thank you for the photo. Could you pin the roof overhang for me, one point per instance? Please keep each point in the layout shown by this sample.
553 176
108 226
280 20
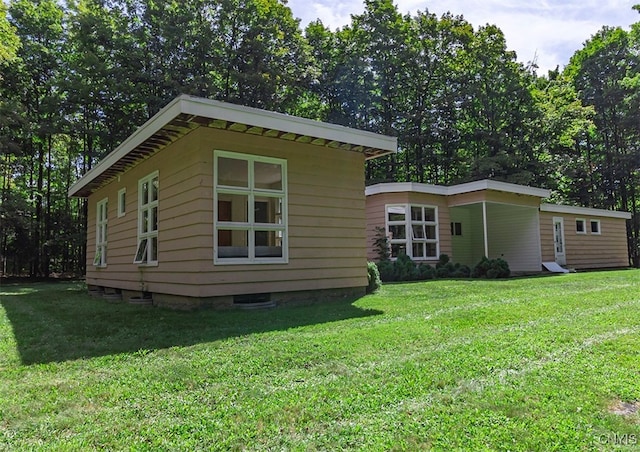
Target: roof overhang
186 113
485 184
586 211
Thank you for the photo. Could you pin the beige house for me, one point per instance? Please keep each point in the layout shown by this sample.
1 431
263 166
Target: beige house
493 219
210 203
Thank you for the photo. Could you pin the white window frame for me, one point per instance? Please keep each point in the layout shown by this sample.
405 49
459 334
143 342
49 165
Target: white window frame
144 248
251 226
408 223
122 202
591 223
584 226
102 220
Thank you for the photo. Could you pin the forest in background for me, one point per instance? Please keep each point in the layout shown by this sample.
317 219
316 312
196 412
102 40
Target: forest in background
78 77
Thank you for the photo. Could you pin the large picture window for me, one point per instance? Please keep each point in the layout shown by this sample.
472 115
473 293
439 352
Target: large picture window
413 230
250 199
102 216
147 249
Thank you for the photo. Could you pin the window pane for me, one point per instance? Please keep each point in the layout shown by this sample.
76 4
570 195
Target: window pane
430 249
154 189
579 226
396 213
397 231
145 193
429 214
154 249
154 219
267 176
141 253
268 243
232 243
233 208
595 227
418 250
233 172
416 213
431 232
145 220
397 249
418 231
268 210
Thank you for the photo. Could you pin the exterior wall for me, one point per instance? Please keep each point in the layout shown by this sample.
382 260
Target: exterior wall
513 235
326 229
606 250
376 217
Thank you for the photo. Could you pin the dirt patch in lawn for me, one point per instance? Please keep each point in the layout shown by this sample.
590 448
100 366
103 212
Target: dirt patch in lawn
624 408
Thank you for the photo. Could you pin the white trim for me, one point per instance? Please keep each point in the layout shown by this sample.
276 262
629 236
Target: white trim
408 224
102 231
255 117
400 187
584 211
486 184
591 221
485 229
146 205
250 225
584 226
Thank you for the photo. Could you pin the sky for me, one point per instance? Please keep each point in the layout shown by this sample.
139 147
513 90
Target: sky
547 31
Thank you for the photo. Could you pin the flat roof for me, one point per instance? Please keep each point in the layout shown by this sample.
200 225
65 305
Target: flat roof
584 211
186 113
485 184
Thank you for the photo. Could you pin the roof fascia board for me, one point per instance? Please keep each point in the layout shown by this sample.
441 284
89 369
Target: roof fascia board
399 187
142 133
586 211
487 184
209 108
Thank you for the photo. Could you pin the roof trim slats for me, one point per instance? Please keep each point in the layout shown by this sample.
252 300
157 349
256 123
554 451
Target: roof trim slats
186 113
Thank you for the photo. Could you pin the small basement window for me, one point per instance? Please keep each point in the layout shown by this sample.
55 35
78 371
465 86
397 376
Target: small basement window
595 226
581 226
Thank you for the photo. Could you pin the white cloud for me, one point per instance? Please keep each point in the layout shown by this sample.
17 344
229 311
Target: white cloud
550 30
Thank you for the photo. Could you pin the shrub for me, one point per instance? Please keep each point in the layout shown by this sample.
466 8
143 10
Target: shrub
405 269
374 278
381 244
426 271
386 270
442 260
491 269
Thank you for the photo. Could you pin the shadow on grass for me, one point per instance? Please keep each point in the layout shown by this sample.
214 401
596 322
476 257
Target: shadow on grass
54 322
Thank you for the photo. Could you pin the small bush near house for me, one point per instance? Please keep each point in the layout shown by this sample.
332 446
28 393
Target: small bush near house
404 269
491 269
374 278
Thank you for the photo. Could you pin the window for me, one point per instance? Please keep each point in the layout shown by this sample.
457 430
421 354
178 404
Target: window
250 199
100 259
581 227
413 230
456 228
147 250
595 226
122 202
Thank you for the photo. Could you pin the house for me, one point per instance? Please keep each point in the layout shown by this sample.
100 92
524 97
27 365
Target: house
210 203
493 219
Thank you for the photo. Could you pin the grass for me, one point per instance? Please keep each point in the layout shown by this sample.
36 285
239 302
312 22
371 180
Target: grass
520 364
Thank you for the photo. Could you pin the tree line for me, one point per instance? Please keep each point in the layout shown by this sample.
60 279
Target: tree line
78 77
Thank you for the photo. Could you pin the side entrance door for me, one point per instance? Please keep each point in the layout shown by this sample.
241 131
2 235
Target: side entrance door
558 241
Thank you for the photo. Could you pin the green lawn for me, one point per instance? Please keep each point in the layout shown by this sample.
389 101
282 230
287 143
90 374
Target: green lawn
519 364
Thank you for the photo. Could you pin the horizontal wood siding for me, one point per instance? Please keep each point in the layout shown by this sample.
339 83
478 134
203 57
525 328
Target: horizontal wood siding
376 216
583 251
326 228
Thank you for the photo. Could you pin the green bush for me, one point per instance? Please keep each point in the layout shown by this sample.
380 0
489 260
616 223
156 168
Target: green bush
426 271
491 269
374 278
405 269
387 271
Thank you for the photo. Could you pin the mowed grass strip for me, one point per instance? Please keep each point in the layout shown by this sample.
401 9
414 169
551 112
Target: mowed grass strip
519 364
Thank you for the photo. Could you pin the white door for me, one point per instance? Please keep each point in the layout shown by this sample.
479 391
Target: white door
558 240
